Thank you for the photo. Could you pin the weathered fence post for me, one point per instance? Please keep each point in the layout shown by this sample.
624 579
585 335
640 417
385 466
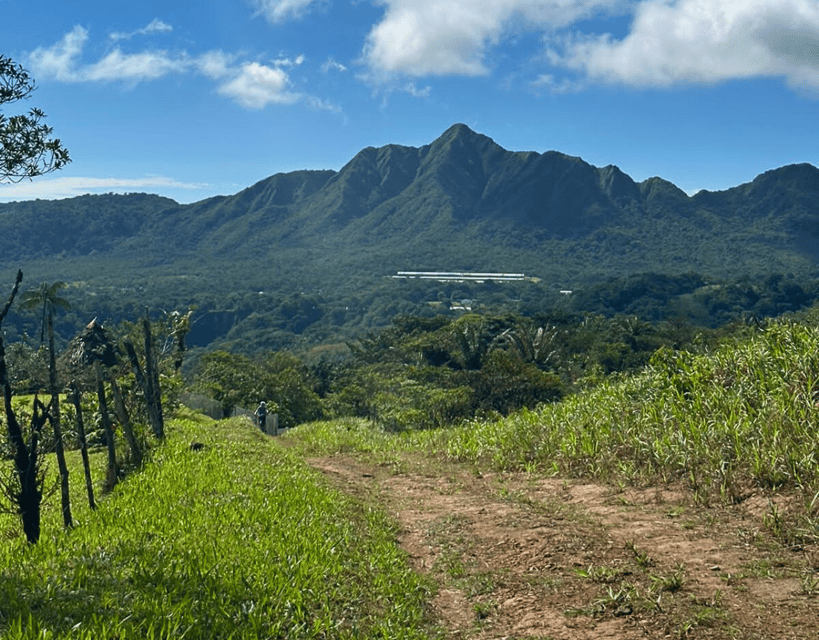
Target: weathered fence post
89 486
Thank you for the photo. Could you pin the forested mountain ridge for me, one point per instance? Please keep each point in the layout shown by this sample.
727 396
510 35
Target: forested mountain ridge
462 185
461 202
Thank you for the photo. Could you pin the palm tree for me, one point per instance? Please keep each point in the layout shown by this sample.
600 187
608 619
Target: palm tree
532 343
472 337
46 295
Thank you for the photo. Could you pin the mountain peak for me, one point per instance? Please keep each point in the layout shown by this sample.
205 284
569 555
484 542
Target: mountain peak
458 129
459 141
462 133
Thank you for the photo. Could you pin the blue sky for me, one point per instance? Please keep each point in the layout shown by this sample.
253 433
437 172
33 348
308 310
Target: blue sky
194 99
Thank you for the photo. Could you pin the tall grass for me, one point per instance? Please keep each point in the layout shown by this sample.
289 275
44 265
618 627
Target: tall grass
746 413
238 540
743 416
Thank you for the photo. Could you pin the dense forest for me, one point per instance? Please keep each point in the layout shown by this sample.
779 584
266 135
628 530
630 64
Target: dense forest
445 365
289 289
307 258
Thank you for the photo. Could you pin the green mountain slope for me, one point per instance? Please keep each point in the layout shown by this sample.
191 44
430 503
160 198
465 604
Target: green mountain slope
461 202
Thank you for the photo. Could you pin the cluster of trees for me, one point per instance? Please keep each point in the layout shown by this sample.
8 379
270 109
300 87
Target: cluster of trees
422 372
713 303
239 381
110 385
254 320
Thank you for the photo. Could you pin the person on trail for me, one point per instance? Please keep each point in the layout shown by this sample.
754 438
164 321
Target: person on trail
261 414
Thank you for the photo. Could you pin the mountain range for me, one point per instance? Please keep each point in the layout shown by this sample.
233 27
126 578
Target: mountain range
460 203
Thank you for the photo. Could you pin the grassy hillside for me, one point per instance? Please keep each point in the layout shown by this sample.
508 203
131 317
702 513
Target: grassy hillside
238 540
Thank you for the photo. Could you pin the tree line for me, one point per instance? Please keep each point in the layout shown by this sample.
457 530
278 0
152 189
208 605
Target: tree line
424 372
116 384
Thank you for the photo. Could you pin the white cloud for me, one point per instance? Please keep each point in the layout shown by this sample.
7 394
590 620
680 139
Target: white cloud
332 65
278 11
555 85
135 67
669 43
290 62
69 187
444 37
257 85
155 26
415 92
215 64
323 105
702 41
250 84
59 61
62 62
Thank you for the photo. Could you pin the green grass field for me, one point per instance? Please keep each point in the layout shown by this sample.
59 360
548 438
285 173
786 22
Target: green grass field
238 540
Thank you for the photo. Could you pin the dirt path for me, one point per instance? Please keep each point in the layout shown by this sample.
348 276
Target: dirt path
517 556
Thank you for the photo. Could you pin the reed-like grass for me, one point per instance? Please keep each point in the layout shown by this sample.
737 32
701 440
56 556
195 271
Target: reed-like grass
237 540
743 416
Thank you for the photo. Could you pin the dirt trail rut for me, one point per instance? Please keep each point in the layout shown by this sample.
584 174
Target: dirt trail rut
518 556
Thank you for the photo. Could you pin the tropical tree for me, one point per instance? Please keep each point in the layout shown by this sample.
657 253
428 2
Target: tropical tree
45 296
231 379
27 493
531 343
472 336
26 150
280 379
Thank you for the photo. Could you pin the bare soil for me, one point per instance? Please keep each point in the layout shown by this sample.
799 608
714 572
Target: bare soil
516 555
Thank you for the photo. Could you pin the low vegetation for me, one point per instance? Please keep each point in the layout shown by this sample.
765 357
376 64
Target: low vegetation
734 418
234 539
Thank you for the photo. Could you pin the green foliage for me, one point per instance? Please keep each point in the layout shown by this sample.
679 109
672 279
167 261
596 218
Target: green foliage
27 367
44 297
239 381
506 384
233 380
428 372
324 244
169 331
724 421
25 148
399 397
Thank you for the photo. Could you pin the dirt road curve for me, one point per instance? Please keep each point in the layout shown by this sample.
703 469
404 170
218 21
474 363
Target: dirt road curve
522 557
